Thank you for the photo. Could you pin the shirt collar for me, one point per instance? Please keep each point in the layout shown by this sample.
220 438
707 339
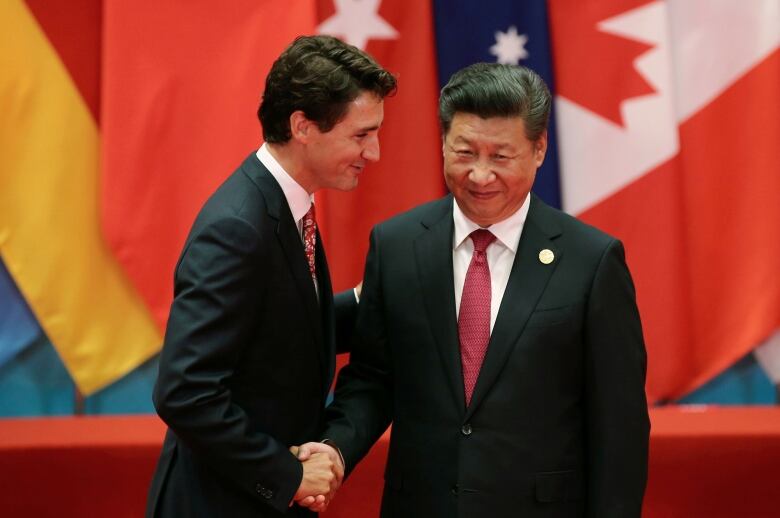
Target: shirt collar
297 198
506 231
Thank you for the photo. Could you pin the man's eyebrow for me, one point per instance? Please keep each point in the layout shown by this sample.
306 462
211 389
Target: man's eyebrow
460 139
368 128
504 146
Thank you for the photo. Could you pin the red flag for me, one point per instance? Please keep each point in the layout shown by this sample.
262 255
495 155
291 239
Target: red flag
398 33
50 235
181 84
684 172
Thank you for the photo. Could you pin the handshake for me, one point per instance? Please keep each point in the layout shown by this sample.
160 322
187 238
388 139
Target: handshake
323 472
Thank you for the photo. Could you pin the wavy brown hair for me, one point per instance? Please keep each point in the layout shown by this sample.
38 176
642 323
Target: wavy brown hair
320 76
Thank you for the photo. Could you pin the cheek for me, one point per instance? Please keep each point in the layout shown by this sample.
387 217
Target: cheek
455 171
353 153
453 178
448 181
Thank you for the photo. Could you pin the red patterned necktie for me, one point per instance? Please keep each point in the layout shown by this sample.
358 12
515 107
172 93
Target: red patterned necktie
310 240
474 314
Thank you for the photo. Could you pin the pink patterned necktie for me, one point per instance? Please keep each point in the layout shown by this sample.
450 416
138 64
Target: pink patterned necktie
310 240
474 315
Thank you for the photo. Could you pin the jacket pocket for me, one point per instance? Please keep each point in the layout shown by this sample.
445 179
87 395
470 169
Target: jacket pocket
552 316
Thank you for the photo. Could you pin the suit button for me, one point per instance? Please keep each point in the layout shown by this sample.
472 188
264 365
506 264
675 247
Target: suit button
454 490
264 492
466 429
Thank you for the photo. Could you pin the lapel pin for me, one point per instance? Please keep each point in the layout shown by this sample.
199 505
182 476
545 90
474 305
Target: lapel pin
546 256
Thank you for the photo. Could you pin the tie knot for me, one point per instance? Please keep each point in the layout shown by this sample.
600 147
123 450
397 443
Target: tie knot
310 216
481 239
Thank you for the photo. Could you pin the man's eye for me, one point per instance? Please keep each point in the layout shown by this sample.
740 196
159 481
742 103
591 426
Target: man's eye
464 152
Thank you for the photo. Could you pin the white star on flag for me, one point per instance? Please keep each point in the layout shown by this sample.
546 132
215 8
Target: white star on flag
357 21
510 47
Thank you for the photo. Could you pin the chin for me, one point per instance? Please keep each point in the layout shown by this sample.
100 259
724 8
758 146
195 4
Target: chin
348 186
482 219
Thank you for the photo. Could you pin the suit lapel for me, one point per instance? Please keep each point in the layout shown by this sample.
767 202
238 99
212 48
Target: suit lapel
328 350
433 252
287 233
527 281
292 246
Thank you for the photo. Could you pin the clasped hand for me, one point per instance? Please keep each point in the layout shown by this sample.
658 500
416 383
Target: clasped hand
323 473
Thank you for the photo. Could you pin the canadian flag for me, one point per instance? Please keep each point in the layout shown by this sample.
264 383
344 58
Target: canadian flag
668 119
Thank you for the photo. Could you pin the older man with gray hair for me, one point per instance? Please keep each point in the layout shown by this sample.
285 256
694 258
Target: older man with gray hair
499 335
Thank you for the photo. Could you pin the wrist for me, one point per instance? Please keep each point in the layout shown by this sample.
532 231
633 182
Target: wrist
333 445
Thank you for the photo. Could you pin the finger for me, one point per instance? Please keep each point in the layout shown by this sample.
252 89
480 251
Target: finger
308 449
338 470
313 501
319 508
320 505
307 501
294 450
304 452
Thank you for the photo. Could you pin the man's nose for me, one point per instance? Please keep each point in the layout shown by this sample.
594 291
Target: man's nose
481 174
371 151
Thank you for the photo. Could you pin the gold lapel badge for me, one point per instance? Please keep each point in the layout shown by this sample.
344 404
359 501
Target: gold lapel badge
546 256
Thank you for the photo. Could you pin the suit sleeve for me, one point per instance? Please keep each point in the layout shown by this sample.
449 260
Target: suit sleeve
362 407
618 425
346 307
216 281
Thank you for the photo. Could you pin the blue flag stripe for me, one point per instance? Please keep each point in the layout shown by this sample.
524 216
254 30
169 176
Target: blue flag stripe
18 326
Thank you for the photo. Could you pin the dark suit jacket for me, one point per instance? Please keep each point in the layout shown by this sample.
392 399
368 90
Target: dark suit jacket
248 358
558 424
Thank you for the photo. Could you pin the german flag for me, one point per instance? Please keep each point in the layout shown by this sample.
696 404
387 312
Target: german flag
50 231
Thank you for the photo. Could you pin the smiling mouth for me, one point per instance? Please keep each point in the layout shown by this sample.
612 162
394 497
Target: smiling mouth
483 195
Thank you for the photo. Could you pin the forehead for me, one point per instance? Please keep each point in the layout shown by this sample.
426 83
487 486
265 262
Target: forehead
367 110
473 129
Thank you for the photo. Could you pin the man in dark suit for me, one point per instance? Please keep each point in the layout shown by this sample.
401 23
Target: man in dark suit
249 350
500 336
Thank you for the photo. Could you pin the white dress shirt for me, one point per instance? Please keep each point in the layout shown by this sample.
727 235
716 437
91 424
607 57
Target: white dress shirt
500 253
297 198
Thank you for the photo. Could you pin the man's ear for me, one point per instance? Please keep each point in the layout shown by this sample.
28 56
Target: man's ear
300 126
443 142
540 149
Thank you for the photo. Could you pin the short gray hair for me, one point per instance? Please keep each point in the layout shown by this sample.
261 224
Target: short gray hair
495 90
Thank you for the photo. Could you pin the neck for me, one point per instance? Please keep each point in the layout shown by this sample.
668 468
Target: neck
291 159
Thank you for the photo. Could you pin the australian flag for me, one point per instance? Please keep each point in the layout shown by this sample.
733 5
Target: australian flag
498 31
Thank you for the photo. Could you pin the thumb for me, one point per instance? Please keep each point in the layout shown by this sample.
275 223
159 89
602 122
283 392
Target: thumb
304 452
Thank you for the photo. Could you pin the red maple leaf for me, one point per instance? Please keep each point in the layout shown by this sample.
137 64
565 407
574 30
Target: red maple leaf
325 9
592 68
